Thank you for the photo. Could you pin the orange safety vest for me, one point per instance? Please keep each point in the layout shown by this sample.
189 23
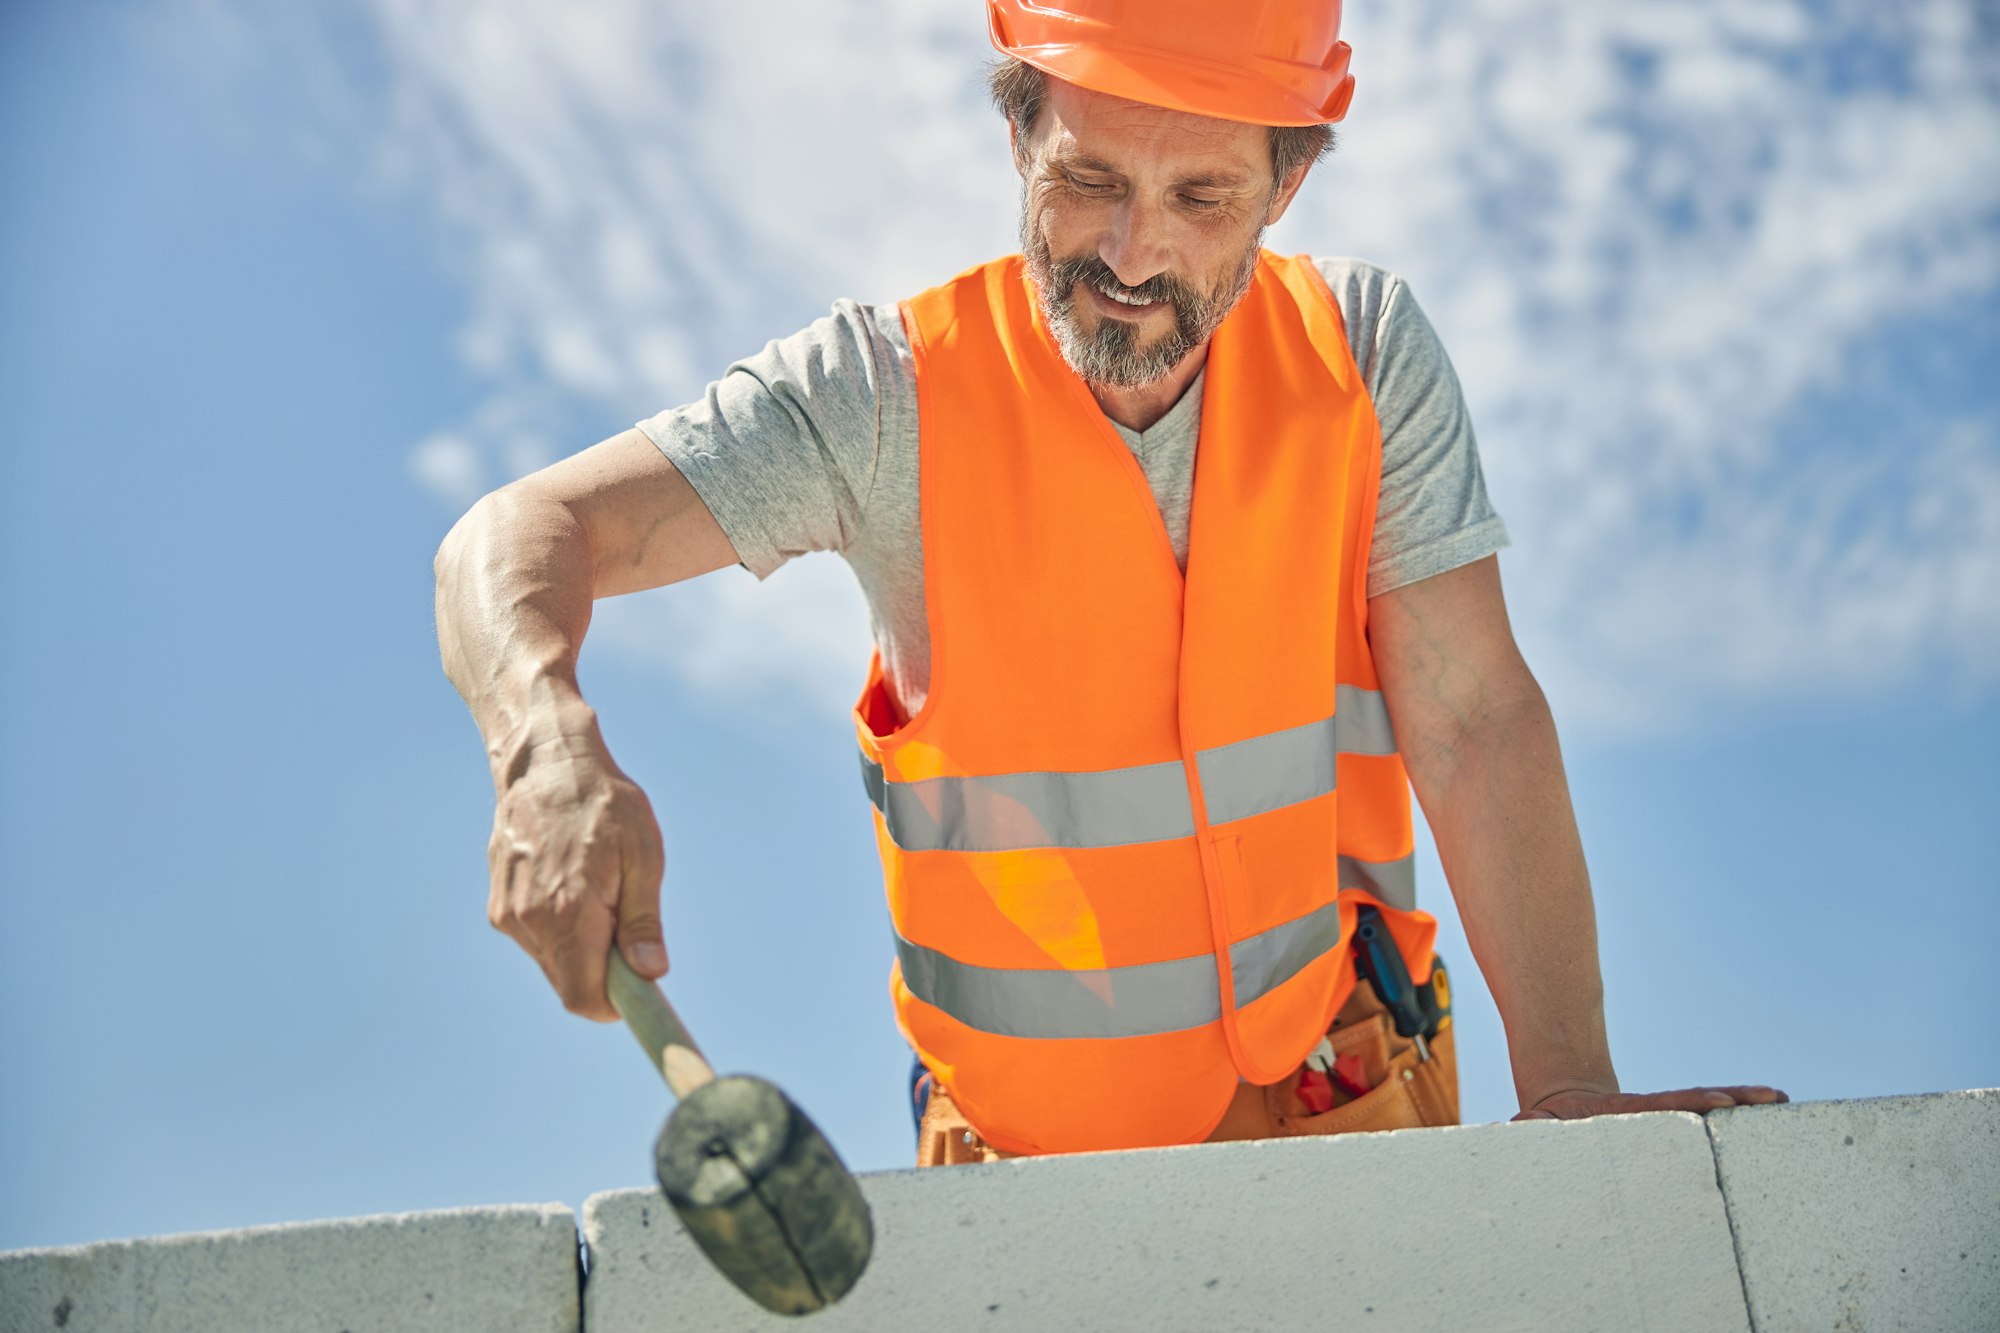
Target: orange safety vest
1125 837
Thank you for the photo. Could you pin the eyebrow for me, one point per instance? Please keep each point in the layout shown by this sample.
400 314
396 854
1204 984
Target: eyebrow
1205 180
1214 180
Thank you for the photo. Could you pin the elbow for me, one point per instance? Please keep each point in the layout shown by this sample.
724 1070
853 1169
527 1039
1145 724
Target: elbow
489 513
1509 710
458 554
446 557
449 550
1492 712
1516 699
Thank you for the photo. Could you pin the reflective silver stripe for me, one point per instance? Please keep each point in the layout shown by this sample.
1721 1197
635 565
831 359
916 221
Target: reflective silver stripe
1132 1001
1011 811
1148 803
1268 772
1270 958
1135 1001
1394 882
1363 720
1146 998
877 785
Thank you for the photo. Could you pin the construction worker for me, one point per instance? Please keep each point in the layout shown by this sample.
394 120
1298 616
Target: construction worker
1182 575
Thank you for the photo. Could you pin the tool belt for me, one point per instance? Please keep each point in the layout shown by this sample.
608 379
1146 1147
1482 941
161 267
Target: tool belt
1378 1080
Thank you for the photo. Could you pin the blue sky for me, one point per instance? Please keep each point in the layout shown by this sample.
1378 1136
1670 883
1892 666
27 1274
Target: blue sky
281 294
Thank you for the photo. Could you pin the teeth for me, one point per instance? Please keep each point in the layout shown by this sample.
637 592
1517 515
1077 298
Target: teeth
1123 299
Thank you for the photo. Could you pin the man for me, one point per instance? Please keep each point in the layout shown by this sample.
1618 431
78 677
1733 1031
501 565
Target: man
1182 575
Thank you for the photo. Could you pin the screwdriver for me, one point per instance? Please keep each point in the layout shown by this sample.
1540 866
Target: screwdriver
1381 962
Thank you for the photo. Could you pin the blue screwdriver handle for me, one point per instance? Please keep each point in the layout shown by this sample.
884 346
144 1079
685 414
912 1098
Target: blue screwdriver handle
1381 962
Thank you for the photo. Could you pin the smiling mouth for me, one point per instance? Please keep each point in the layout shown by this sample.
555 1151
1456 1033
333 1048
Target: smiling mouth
1119 303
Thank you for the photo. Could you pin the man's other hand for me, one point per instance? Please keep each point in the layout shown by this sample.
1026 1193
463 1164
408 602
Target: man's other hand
1580 1104
576 860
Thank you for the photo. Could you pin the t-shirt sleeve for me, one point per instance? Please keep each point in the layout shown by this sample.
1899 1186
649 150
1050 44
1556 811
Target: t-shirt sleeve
1432 514
782 448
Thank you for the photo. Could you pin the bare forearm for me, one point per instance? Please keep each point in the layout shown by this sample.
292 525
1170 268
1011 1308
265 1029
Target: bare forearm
576 856
1475 731
1507 836
514 592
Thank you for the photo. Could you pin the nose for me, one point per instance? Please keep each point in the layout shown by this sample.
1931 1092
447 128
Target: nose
1135 245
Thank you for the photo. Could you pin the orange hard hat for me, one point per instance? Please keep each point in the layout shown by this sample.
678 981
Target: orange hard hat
1269 62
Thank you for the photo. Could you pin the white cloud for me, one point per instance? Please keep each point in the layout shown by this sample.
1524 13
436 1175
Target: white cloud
449 467
1649 234
803 632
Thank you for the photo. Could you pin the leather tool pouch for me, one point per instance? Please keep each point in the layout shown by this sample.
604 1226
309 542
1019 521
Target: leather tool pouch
946 1139
1404 1092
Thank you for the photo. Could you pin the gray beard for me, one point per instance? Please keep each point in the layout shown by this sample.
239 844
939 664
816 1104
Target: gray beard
1112 355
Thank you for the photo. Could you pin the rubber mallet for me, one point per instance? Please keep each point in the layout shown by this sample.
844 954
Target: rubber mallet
751 1177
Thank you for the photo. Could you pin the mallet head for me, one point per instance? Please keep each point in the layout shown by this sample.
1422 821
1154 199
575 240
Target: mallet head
764 1195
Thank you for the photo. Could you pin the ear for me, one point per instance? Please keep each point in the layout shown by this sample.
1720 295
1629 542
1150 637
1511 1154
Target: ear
1281 198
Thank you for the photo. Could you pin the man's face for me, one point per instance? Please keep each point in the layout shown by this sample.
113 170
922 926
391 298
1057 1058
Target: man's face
1141 227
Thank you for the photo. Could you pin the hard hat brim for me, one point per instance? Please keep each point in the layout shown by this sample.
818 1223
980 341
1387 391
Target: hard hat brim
1259 90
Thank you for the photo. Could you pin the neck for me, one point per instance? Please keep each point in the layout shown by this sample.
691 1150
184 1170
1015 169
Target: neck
1138 406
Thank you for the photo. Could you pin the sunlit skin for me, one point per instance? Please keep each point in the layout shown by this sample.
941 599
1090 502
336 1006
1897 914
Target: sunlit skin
1150 191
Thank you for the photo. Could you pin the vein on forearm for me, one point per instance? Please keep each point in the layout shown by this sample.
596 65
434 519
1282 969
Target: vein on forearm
513 605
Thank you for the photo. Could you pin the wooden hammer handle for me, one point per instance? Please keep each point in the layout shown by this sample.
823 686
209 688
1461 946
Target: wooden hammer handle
643 1006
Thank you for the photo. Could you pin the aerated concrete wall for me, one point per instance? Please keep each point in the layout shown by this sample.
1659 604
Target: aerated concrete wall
1881 1214
511 1269
1878 1214
1602 1224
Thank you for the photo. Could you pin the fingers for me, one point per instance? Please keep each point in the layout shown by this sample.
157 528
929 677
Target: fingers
1581 1105
566 927
569 876
641 866
1681 1099
1711 1099
554 897
575 965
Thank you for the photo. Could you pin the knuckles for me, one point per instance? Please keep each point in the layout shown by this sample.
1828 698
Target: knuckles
576 1004
560 840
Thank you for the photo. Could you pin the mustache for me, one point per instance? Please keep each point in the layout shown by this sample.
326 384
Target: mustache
1093 271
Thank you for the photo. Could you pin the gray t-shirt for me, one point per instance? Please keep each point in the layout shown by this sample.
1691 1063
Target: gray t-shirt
811 445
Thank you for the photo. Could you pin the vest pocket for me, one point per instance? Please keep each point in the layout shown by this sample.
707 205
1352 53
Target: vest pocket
1229 856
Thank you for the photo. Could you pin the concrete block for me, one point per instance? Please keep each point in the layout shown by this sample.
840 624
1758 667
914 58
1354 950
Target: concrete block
509 1269
1613 1223
1878 1214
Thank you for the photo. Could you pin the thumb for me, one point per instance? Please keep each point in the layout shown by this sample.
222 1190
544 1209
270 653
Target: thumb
639 936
